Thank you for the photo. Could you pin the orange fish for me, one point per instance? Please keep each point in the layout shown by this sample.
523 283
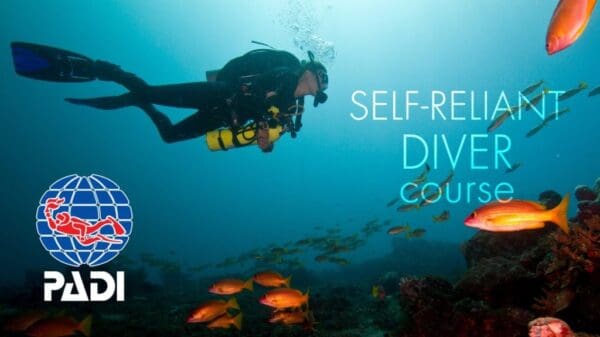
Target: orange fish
59 327
568 23
271 279
210 310
289 318
23 321
230 286
282 298
516 215
226 321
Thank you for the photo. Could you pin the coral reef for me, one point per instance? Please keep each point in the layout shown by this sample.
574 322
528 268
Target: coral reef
514 277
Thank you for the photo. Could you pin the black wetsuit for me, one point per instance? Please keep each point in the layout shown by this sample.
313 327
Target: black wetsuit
239 95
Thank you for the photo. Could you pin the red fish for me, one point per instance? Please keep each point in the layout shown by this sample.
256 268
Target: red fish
212 309
568 22
226 321
282 298
516 215
271 279
59 327
230 286
23 321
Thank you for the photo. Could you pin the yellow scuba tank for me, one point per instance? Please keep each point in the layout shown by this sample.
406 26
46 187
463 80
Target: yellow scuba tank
223 139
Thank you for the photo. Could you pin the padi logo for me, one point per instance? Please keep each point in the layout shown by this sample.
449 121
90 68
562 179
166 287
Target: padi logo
84 221
81 294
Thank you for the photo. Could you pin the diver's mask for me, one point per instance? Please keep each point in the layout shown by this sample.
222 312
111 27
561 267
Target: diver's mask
320 73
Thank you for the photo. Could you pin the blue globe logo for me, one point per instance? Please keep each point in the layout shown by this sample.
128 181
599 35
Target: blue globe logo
84 220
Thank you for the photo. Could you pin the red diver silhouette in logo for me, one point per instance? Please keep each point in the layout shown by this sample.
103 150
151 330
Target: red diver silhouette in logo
83 231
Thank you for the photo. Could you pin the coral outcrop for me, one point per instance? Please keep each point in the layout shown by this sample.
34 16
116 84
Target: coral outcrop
512 278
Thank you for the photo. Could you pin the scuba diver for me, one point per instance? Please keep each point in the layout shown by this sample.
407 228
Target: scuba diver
253 99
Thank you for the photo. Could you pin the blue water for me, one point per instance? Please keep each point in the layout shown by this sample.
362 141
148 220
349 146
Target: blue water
207 206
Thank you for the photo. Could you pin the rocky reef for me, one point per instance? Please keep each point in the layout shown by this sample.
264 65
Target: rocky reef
513 278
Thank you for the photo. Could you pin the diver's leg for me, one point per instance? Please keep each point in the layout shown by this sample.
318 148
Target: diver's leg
187 95
106 71
194 126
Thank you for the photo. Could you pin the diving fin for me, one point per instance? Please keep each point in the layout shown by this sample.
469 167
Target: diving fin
51 64
105 103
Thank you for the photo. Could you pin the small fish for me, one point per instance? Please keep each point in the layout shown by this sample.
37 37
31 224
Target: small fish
431 198
322 258
516 215
230 286
392 202
447 180
417 233
200 268
303 242
423 176
228 262
282 298
410 187
512 168
534 101
306 318
548 119
407 207
289 318
499 120
212 309
570 93
532 88
339 260
568 22
594 92
294 264
516 108
555 115
420 192
271 279
226 321
378 292
278 250
444 216
398 229
535 130
60 327
293 251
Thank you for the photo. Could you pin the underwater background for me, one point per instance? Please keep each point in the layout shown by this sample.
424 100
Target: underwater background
195 207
